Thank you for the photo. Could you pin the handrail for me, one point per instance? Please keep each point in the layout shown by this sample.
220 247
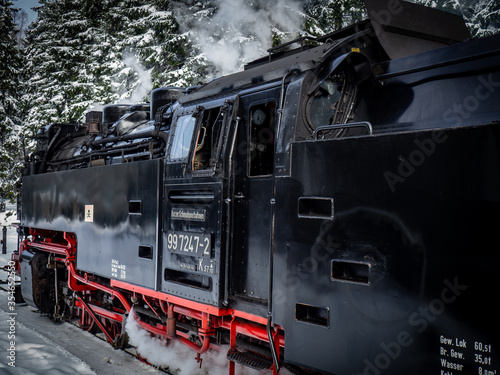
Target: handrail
229 206
323 128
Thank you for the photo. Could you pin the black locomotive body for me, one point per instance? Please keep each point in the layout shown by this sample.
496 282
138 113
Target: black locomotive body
329 209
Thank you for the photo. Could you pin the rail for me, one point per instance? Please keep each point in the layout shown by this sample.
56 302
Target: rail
362 124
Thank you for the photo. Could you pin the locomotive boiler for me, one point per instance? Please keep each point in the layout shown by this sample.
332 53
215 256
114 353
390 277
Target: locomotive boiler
333 208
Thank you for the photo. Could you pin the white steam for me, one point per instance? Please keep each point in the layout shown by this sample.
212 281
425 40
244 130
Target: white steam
143 85
235 32
178 358
133 81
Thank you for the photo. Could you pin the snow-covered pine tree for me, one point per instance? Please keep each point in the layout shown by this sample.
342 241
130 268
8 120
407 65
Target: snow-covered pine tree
167 55
481 16
10 64
148 45
90 51
59 84
21 20
331 15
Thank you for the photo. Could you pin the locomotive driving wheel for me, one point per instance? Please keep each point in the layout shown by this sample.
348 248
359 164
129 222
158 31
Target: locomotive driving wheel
113 328
86 322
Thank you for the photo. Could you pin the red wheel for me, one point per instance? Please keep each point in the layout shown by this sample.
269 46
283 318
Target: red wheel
86 322
113 328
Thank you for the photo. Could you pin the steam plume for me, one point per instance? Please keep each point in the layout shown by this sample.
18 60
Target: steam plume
234 32
178 358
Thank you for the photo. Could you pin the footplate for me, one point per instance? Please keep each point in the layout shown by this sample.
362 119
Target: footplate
249 359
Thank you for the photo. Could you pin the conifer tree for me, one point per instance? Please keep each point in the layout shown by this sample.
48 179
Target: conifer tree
148 46
481 16
10 64
59 86
328 16
85 52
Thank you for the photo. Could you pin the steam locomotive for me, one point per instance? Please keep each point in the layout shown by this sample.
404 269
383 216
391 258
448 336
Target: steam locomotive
333 208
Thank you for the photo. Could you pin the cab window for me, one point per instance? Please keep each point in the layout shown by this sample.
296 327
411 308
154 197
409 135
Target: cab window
183 137
261 145
332 102
208 139
324 106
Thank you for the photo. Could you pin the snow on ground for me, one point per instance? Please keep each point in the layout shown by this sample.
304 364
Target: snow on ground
36 345
27 352
7 218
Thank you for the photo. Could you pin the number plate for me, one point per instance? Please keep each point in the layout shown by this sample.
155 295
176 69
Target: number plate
196 244
206 265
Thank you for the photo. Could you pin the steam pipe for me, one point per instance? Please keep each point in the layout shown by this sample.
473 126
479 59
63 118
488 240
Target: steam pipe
112 151
198 349
170 321
72 273
84 280
129 137
96 143
69 137
188 312
49 147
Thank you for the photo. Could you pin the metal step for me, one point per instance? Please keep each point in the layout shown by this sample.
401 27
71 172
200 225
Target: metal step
249 359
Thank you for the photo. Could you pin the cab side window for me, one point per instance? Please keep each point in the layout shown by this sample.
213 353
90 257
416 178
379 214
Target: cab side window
324 104
332 102
261 146
208 140
183 136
